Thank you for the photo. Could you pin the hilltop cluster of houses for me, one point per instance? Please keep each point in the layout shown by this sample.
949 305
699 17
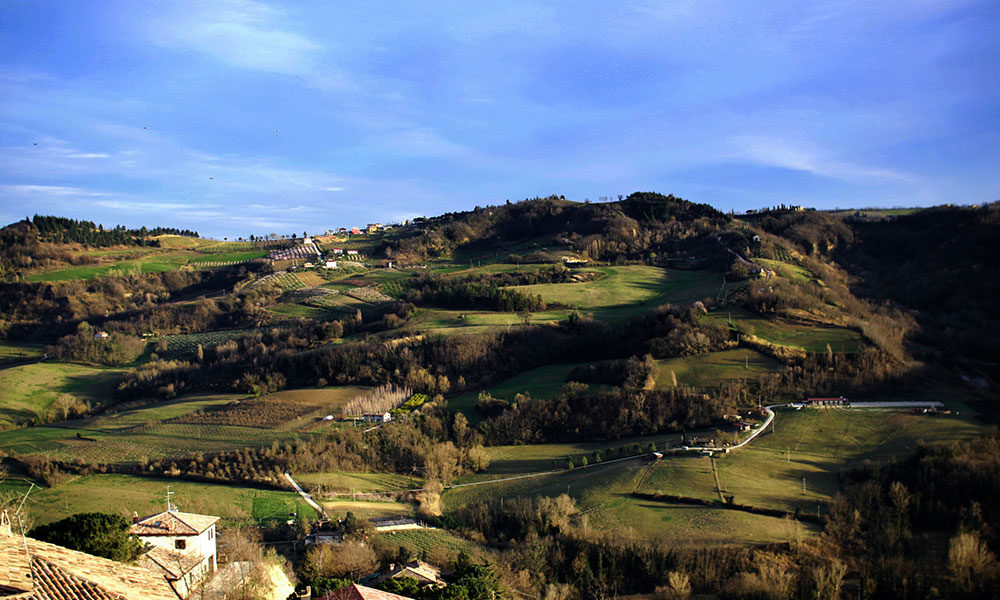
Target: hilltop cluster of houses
369 229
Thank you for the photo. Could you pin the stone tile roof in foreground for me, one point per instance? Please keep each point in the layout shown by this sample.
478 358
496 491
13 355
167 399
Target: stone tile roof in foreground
36 570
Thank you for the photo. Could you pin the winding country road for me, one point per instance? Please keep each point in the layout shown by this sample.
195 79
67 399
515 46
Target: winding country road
750 438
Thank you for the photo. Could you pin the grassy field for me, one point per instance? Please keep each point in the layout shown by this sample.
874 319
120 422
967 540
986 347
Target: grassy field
123 494
148 264
230 256
787 270
13 351
180 241
28 390
602 493
177 254
542 382
812 338
442 321
623 292
706 370
814 444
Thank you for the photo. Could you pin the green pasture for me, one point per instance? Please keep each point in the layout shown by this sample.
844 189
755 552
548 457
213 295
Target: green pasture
695 526
180 241
812 338
603 495
510 461
148 261
787 270
708 370
27 391
14 351
151 263
123 494
620 293
812 443
461 271
542 382
230 256
444 321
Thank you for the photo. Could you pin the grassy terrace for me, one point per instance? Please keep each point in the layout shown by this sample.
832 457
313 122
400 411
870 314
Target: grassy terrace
542 382
28 390
623 292
122 494
707 370
812 338
14 351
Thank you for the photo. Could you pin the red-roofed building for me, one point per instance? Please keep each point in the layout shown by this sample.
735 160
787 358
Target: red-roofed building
184 546
361 592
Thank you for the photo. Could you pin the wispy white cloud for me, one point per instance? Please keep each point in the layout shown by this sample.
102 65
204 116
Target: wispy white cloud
241 33
807 157
51 190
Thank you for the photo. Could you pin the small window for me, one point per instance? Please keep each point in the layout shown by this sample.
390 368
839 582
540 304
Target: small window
180 544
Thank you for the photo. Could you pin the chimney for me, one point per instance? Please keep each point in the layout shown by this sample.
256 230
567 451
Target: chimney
135 517
5 529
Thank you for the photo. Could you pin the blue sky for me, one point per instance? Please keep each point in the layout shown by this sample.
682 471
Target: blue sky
239 117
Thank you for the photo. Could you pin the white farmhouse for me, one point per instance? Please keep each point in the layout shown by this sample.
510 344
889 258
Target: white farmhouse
380 417
184 546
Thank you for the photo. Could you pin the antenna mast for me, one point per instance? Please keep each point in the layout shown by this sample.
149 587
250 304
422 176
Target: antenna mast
170 507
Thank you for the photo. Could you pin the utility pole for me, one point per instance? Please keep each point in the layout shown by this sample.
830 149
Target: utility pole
788 456
803 485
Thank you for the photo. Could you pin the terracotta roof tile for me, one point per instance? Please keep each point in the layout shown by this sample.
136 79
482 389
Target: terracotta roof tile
172 523
57 573
360 592
173 565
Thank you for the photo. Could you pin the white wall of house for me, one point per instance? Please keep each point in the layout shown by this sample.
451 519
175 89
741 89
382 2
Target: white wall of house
202 545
